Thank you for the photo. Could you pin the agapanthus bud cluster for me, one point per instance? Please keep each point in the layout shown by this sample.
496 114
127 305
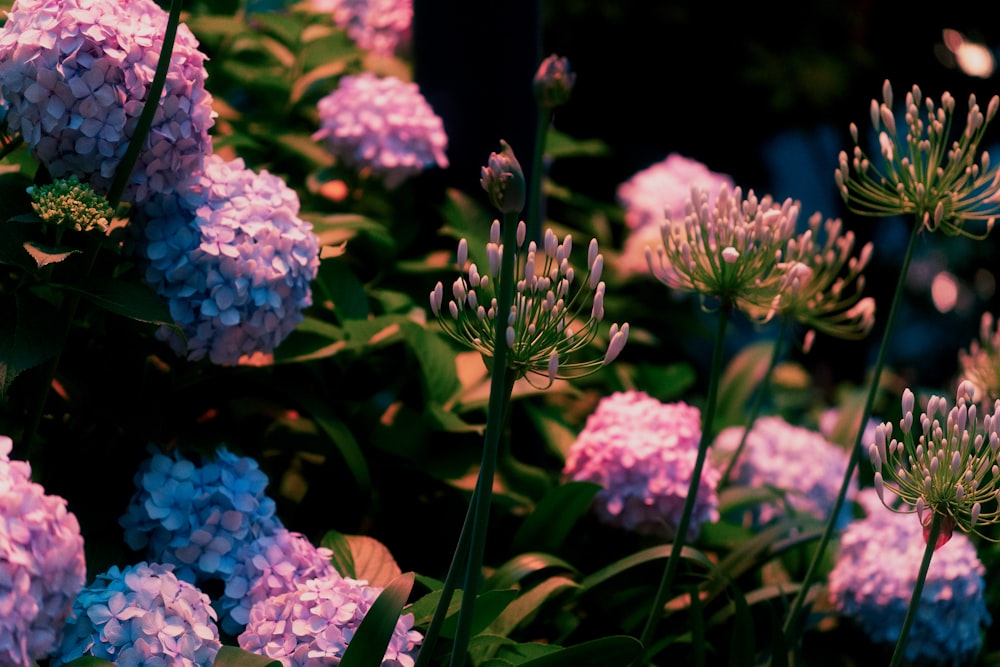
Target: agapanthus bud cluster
730 251
802 467
383 27
382 127
940 180
948 469
553 82
642 452
552 317
314 624
980 364
76 73
232 258
71 204
142 614
42 565
872 582
198 517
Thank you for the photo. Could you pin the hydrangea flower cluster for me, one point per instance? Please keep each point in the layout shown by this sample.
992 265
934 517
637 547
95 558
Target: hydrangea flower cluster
314 623
76 73
72 204
197 517
794 461
980 363
642 452
383 127
876 569
268 566
383 27
233 259
142 614
42 565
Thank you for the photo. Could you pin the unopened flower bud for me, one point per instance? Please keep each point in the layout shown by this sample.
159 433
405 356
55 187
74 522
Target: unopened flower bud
553 82
503 179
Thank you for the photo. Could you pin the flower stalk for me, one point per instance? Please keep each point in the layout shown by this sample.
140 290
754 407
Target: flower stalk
918 588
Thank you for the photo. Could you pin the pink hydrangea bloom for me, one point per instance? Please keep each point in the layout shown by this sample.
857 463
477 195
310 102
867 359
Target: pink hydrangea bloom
233 259
383 27
643 452
42 564
663 190
313 624
76 73
382 125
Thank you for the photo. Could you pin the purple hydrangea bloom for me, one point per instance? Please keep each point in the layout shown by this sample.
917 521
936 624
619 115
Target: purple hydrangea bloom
877 564
266 567
142 615
795 461
382 125
643 452
313 624
383 27
42 564
233 259
197 518
663 190
76 74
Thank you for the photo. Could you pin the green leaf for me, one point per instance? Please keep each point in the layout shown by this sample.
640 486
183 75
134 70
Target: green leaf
231 656
559 145
45 255
640 557
29 335
122 297
553 518
339 285
361 557
91 661
528 604
489 605
368 646
739 380
12 248
742 646
342 558
603 652
514 571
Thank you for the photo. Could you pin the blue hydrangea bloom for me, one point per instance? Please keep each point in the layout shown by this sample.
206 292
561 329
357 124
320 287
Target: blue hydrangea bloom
144 615
42 564
232 258
877 564
266 567
313 624
197 517
383 27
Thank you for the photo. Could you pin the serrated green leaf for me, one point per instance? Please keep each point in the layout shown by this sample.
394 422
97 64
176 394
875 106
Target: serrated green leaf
45 255
368 645
231 656
361 557
554 516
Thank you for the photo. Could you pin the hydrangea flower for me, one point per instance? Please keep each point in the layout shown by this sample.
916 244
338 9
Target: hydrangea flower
197 517
142 614
383 27
876 569
232 258
42 564
642 452
663 190
795 461
314 623
268 566
382 126
72 204
75 74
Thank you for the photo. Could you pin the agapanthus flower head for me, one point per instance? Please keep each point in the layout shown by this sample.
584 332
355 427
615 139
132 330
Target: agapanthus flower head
503 180
76 73
730 251
948 469
800 465
42 565
980 363
197 516
69 203
268 566
232 258
663 190
553 82
142 614
383 127
552 317
642 452
314 624
933 173
877 564
383 27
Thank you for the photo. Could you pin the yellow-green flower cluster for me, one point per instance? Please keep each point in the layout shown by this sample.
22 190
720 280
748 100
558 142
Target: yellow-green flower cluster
69 203
948 469
552 316
929 174
981 362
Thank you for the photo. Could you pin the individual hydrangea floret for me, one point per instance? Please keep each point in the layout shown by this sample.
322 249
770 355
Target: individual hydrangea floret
76 74
72 204
232 258
642 452
142 614
42 565
876 569
797 463
663 190
383 127
314 624
266 567
383 27
197 517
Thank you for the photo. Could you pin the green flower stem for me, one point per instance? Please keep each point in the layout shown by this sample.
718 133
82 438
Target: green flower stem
791 627
762 390
533 220
674 559
918 588
501 387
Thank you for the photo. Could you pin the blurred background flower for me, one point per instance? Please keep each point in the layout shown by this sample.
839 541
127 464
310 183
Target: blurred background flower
383 27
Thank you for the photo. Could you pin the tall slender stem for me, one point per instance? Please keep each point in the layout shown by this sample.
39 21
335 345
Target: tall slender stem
673 560
533 220
791 627
911 612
